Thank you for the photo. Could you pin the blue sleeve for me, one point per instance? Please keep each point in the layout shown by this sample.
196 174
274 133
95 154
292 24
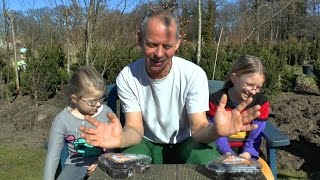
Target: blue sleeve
222 143
253 142
224 146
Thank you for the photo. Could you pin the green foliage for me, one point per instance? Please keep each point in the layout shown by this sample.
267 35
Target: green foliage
187 51
45 73
207 62
315 59
209 19
288 79
111 60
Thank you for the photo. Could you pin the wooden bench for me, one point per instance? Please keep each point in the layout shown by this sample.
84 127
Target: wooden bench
273 136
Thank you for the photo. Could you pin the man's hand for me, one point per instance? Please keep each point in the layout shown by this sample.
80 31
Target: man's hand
105 135
228 123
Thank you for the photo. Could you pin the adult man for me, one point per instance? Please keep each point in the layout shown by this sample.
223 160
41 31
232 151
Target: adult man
165 99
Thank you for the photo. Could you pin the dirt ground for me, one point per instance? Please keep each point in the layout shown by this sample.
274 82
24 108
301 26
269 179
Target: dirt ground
297 115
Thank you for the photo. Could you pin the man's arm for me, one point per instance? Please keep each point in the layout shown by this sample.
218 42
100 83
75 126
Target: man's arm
133 129
201 130
111 135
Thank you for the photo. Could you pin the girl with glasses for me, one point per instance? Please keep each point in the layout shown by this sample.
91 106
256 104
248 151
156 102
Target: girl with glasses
85 93
246 79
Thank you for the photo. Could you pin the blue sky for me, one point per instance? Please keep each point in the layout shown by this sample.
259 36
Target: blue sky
26 4
23 5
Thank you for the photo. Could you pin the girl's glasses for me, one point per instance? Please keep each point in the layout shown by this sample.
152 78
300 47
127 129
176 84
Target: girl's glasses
94 102
250 87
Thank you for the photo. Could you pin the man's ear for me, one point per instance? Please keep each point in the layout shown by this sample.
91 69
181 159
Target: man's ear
178 43
139 38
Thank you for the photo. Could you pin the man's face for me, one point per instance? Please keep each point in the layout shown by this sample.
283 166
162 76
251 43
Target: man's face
159 45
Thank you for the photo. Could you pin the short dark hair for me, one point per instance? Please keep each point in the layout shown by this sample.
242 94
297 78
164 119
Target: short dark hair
165 16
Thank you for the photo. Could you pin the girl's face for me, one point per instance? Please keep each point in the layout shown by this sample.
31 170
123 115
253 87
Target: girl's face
246 85
90 103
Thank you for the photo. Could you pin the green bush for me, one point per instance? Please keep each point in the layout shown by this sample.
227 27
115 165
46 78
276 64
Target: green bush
45 73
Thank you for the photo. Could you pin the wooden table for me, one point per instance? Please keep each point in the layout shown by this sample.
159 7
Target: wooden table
178 172
163 171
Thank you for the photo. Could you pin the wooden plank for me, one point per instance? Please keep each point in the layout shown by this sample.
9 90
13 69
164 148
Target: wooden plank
274 137
163 172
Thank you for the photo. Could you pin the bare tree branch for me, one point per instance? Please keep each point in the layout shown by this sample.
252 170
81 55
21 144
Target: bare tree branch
276 14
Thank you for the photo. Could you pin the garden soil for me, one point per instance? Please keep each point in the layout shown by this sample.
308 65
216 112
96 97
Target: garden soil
24 125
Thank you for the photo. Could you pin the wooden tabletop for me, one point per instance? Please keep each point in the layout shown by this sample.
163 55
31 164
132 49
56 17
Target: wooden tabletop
163 171
180 172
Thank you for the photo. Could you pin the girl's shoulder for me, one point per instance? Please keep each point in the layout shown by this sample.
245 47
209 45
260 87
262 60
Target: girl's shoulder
215 97
102 115
106 108
259 99
65 112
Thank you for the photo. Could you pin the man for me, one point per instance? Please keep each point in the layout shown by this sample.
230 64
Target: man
165 99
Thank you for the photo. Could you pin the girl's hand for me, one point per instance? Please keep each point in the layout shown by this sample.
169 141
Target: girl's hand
245 155
91 168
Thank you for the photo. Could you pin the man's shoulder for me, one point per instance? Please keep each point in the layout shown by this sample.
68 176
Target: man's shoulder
182 61
136 62
133 69
186 67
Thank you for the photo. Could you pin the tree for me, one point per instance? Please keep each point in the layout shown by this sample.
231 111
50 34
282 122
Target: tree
209 22
10 16
199 33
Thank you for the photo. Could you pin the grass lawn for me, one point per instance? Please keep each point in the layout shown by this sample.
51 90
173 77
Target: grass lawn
17 163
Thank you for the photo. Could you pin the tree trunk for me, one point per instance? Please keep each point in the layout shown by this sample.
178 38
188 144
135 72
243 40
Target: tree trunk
15 66
67 13
199 33
215 61
89 30
6 29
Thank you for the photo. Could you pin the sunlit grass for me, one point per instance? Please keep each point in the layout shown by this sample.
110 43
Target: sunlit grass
17 163
284 174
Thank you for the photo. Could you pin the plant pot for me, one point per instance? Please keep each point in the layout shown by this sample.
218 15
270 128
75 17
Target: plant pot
307 69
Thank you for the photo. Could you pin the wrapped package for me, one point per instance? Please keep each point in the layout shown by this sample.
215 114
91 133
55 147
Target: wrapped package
231 167
123 165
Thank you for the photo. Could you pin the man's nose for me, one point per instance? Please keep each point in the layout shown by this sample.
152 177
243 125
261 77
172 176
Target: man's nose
159 51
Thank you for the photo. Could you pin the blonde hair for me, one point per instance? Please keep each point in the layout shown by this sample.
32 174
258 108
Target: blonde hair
244 65
84 81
